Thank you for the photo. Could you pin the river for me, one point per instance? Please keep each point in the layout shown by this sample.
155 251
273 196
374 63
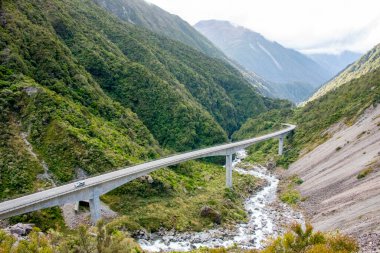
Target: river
267 217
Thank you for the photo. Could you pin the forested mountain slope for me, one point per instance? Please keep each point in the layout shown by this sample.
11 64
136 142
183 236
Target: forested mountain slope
152 17
83 90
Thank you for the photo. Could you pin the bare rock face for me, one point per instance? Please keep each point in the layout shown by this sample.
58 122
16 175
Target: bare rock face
31 90
20 229
212 214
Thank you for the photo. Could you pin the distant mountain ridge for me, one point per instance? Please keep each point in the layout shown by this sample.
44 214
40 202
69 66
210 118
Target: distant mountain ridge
284 69
334 63
367 63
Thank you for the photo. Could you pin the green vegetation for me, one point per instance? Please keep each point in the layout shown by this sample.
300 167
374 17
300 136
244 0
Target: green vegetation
262 124
107 238
100 100
66 135
91 92
307 241
45 219
288 192
290 196
365 172
174 198
298 240
297 180
99 239
157 20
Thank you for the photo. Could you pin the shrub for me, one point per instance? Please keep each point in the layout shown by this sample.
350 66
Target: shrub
299 240
364 173
291 197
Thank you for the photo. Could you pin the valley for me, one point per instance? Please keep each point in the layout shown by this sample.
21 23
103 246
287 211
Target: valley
126 128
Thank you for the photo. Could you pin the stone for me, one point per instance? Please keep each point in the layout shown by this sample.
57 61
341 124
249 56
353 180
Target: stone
21 229
212 214
147 178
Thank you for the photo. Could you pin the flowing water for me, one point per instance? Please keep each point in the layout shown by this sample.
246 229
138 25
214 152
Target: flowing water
267 217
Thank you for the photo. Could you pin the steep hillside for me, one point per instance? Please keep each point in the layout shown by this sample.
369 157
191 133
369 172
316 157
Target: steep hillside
367 63
341 177
159 79
334 63
152 17
284 68
334 152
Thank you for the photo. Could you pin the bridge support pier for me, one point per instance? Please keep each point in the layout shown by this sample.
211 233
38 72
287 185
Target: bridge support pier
95 209
76 207
281 145
229 171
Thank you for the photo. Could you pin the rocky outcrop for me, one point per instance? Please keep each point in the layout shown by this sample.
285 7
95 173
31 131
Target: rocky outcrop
19 229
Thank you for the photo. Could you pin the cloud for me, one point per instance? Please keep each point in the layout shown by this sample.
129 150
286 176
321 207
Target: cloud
306 25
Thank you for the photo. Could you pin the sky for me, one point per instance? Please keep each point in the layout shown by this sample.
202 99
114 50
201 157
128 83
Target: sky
310 26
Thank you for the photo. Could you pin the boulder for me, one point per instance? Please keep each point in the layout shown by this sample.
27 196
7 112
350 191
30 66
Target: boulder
212 214
147 178
21 229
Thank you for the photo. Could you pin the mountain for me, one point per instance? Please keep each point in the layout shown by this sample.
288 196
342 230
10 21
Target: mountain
152 17
334 63
367 63
83 90
284 69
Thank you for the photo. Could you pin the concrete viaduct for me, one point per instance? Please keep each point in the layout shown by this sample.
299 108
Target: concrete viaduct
94 187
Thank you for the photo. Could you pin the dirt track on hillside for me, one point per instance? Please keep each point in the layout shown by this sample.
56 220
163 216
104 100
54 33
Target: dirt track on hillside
336 198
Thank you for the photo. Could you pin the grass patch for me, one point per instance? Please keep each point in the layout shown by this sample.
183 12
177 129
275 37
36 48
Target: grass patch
297 180
290 197
364 173
287 192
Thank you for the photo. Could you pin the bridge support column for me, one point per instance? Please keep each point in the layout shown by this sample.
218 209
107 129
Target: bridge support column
229 171
280 145
95 209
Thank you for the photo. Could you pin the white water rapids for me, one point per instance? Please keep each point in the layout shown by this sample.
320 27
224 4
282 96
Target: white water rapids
267 218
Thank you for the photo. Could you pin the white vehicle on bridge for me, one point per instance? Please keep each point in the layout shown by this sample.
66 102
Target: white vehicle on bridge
79 184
